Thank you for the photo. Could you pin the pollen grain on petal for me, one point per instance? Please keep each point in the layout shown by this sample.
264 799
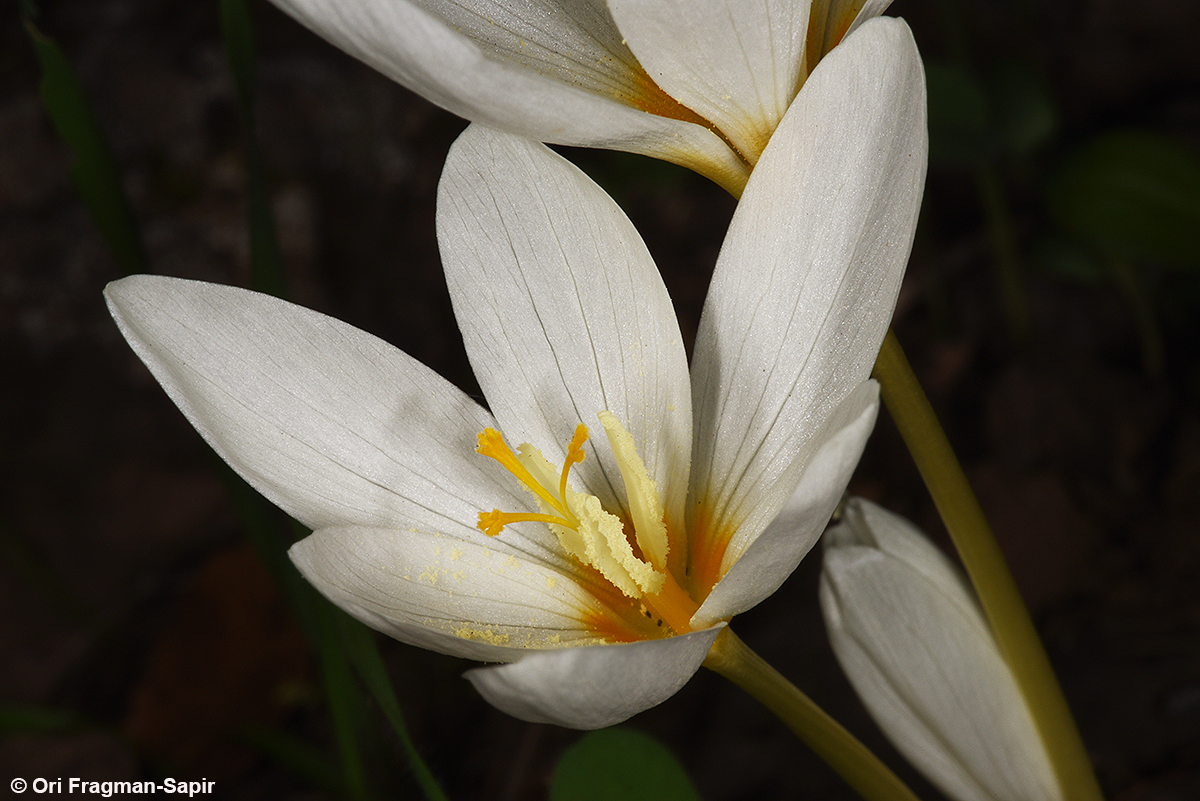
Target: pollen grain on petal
468 632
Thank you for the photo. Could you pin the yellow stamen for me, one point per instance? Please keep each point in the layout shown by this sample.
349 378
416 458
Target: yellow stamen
493 522
597 538
492 444
645 506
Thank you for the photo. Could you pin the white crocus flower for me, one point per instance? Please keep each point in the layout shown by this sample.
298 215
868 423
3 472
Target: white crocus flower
600 569
701 83
911 637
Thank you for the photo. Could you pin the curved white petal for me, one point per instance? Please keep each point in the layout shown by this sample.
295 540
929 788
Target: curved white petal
737 63
755 567
556 72
914 644
807 279
453 590
331 424
590 688
562 310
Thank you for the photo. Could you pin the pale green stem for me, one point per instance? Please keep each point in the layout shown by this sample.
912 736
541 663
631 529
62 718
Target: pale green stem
1015 635
861 769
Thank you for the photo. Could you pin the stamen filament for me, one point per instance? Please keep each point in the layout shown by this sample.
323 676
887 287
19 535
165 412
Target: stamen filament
493 522
492 444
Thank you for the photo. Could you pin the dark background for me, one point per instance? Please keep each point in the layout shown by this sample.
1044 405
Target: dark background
140 635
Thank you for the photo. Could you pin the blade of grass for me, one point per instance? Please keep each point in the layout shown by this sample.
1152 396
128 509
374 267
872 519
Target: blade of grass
364 655
346 703
266 262
93 170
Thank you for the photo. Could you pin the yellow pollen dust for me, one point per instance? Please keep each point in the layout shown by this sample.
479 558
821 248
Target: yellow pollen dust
585 529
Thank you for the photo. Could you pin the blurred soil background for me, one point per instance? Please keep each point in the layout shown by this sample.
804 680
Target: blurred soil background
141 635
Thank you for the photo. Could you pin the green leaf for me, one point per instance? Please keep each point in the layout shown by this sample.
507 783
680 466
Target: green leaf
1133 195
347 706
620 765
93 170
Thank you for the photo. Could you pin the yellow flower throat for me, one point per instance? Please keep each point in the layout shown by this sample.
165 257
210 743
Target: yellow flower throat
588 532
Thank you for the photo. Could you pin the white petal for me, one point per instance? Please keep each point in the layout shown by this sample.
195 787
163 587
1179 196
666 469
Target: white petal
562 310
455 591
807 279
331 424
556 72
738 63
754 569
590 688
914 644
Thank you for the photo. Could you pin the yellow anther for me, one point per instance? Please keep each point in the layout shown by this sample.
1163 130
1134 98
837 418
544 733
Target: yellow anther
645 505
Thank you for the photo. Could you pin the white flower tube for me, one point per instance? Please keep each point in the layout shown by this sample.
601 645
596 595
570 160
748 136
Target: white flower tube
912 639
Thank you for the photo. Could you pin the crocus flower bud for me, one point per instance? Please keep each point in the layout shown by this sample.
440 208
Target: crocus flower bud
913 641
